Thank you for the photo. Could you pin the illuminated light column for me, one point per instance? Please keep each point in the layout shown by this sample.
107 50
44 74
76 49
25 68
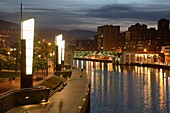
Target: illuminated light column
27 41
63 51
58 43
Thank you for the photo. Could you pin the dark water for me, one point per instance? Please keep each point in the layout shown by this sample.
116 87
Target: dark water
127 89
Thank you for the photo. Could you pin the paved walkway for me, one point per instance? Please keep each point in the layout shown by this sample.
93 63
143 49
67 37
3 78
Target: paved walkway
70 96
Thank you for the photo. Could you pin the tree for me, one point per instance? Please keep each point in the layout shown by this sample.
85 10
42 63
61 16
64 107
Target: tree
42 53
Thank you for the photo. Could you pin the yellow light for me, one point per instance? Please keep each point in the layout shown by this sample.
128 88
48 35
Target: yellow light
28 35
27 97
145 50
43 100
51 54
49 44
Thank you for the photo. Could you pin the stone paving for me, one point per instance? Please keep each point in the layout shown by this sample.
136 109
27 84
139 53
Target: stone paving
70 95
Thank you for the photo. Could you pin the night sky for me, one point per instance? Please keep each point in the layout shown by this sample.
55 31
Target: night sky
86 14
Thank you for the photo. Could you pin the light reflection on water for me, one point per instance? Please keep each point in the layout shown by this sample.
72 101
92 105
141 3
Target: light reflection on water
127 89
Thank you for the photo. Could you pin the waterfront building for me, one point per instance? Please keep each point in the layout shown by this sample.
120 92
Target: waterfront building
166 51
163 31
126 44
141 58
163 25
139 37
108 38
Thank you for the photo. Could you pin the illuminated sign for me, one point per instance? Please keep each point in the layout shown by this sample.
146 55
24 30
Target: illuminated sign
28 36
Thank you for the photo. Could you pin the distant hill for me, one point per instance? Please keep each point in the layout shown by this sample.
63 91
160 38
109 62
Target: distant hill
74 33
9 25
82 33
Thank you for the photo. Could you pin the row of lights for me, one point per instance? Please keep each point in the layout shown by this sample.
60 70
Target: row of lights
27 97
84 99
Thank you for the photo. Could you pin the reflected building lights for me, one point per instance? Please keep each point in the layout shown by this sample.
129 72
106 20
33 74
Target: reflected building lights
77 61
110 67
108 84
119 69
102 66
87 65
92 81
103 86
97 81
146 85
91 64
98 66
82 64
161 88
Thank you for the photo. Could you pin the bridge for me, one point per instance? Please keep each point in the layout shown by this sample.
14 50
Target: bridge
109 56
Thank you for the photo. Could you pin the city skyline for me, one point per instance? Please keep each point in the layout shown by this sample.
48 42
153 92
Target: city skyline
86 15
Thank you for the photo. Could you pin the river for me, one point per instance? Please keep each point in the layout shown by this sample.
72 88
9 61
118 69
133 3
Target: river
127 89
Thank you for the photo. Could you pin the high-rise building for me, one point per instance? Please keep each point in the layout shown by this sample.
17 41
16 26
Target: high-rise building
125 41
163 25
108 38
137 35
142 37
163 31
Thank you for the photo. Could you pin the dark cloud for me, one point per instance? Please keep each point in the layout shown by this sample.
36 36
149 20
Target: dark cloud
90 17
117 12
55 18
41 9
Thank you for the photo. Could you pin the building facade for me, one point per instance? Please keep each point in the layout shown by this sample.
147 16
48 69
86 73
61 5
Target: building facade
139 38
108 38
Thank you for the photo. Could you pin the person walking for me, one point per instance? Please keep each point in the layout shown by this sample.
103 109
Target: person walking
60 105
81 76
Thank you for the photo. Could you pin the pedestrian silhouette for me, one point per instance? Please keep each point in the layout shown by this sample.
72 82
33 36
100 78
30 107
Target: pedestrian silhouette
80 76
60 105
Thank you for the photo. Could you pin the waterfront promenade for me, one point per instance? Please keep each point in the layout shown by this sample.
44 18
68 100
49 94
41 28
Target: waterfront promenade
70 95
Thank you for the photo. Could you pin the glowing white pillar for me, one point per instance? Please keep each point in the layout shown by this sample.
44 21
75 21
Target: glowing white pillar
28 36
63 49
